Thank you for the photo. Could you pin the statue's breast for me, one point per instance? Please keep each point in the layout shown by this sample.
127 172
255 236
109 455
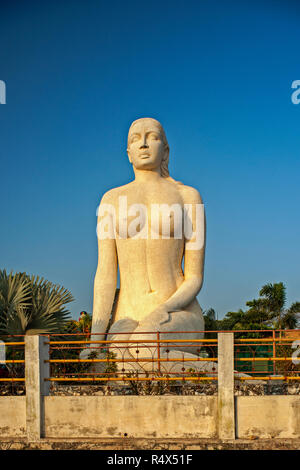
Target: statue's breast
166 221
154 220
149 212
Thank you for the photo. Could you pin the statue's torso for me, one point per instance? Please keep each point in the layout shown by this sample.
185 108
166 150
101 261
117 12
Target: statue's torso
150 269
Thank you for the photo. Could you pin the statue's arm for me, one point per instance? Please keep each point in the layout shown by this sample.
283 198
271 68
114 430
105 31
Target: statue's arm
106 275
194 252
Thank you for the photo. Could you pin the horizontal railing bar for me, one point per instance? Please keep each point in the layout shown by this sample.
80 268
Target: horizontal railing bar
268 378
270 331
136 341
118 347
263 359
267 340
131 332
12 380
174 341
15 343
123 373
133 360
123 379
267 345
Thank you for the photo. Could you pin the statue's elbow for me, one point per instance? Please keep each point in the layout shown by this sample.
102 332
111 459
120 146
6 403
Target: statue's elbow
197 282
199 285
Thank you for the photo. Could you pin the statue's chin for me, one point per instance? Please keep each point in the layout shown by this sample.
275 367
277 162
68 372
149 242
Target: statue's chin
146 165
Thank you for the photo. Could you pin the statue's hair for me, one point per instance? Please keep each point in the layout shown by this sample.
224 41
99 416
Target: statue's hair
164 167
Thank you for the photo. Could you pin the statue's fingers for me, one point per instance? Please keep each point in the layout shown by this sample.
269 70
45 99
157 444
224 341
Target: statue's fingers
166 318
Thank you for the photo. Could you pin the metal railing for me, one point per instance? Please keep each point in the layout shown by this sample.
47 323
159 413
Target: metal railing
268 355
152 364
127 360
12 365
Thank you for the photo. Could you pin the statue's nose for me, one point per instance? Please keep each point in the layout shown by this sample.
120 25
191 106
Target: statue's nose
144 143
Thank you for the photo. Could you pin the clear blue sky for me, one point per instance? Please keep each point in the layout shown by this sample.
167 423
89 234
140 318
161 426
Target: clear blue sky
217 75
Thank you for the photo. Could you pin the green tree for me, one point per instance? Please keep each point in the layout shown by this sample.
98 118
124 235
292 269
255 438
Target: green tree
232 321
290 319
210 320
273 300
31 305
268 311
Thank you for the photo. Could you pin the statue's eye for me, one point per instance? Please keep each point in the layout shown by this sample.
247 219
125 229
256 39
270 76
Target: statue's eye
135 138
154 136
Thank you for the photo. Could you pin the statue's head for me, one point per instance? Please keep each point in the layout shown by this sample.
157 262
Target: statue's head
147 146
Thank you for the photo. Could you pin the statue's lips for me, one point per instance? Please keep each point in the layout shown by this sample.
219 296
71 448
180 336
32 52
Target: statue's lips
144 155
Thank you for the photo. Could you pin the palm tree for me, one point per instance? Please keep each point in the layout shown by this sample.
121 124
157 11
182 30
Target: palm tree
274 299
232 321
210 319
291 317
31 305
210 313
270 307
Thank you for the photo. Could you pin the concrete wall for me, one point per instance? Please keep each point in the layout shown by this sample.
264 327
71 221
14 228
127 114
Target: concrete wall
39 415
12 417
264 417
268 416
134 416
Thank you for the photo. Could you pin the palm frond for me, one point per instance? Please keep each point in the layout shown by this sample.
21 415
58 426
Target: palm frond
31 304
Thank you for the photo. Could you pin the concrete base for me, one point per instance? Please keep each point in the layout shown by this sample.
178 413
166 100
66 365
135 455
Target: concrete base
151 444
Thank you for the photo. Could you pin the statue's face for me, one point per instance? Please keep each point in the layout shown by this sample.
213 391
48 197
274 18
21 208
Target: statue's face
146 148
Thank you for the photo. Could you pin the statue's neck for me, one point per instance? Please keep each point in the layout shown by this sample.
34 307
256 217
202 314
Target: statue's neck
147 176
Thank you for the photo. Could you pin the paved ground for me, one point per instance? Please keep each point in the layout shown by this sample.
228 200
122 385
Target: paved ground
151 444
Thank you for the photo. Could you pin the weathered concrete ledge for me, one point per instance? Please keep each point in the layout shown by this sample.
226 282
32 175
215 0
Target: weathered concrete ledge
153 417
151 444
130 416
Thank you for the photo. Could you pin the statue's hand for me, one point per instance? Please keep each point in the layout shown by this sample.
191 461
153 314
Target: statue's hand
161 315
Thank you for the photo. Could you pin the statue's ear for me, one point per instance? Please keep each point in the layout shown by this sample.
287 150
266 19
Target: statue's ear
129 156
166 153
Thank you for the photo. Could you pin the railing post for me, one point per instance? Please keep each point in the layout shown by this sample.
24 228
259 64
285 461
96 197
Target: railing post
36 370
158 352
226 412
274 351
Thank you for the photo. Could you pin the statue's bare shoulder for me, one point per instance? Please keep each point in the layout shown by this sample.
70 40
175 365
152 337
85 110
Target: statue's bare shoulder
111 196
189 194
